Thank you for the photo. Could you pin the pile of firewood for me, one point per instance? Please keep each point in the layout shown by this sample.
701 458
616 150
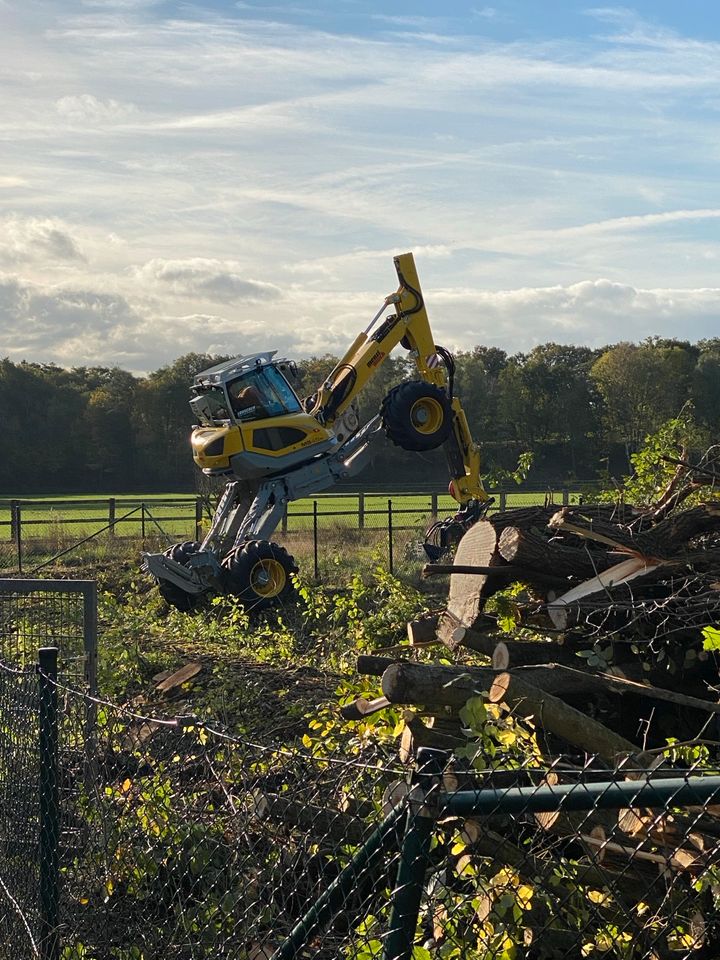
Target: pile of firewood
608 610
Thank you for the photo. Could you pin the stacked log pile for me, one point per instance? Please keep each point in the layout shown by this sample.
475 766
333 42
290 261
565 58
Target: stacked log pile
609 606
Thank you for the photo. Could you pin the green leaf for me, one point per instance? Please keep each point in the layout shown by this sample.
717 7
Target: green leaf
711 638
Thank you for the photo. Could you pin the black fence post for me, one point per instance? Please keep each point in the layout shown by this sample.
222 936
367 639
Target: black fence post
361 511
390 538
198 518
316 568
16 526
434 505
49 805
111 516
142 521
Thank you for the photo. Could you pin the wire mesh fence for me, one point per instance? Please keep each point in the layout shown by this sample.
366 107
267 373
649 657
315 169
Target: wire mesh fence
175 839
19 813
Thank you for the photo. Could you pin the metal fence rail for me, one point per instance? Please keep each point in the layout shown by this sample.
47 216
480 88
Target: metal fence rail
34 533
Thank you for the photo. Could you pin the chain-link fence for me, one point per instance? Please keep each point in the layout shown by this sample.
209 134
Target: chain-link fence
172 838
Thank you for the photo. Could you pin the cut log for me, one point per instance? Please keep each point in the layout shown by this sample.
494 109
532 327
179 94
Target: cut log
320 823
529 549
564 721
455 635
414 683
520 653
423 630
370 665
477 548
433 685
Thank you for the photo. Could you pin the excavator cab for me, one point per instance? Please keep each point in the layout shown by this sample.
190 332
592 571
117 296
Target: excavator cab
250 421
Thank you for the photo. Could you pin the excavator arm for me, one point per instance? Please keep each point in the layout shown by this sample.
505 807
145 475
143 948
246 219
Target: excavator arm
408 326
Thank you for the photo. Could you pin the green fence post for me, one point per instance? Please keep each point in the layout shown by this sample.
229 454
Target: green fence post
49 805
421 819
331 902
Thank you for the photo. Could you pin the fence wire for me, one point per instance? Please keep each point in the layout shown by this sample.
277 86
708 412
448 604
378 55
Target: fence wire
178 840
19 814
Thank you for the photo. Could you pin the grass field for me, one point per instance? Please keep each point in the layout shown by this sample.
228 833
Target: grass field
66 518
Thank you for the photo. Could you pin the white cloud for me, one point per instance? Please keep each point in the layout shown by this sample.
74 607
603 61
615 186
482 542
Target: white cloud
207 279
73 325
85 108
225 177
592 312
37 239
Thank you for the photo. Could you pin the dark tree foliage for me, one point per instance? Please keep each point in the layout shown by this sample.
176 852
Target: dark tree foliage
102 429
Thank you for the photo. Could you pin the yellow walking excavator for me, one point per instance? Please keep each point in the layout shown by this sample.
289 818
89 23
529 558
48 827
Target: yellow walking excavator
251 425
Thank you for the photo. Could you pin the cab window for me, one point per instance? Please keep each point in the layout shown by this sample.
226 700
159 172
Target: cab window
260 394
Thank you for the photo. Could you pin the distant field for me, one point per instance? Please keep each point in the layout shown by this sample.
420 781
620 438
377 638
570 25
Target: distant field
78 515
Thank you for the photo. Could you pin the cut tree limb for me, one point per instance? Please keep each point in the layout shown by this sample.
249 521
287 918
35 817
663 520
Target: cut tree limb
529 549
423 630
564 721
361 708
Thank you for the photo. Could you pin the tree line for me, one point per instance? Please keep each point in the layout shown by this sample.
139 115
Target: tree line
582 412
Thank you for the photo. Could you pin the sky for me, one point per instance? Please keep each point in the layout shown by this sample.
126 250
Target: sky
228 177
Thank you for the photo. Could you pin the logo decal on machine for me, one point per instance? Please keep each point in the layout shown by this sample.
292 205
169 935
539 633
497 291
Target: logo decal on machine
376 358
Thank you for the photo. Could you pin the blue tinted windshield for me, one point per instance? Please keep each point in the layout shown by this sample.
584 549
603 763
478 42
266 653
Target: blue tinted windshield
262 393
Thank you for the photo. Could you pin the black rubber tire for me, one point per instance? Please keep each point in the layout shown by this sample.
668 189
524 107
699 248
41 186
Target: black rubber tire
398 412
259 573
172 594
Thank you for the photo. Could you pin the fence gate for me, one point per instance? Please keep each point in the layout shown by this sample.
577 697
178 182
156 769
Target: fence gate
51 613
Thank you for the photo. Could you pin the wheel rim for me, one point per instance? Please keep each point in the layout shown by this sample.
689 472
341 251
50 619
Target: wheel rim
427 415
268 578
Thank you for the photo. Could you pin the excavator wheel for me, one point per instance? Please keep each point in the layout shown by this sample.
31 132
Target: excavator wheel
259 573
417 415
172 594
